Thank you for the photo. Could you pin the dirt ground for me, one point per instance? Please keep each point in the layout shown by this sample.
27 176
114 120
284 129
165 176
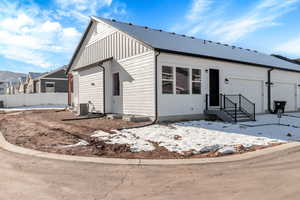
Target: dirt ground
45 131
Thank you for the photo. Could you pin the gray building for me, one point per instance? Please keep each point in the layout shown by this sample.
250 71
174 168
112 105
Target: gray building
55 81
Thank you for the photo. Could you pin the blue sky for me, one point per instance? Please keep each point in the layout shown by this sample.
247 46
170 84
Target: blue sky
38 35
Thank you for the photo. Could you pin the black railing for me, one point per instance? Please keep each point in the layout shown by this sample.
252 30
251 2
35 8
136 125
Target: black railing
231 104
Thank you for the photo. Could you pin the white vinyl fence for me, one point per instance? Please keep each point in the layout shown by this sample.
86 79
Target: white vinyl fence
19 100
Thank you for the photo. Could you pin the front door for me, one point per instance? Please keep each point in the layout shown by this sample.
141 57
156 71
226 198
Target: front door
214 87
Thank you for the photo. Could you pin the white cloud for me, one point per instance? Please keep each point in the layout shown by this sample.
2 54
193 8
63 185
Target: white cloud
31 38
198 8
81 9
211 21
290 47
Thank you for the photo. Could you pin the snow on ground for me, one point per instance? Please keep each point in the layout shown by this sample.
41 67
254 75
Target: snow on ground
203 136
36 107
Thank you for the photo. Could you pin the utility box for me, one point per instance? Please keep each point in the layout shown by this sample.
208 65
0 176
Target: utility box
279 105
1 104
83 109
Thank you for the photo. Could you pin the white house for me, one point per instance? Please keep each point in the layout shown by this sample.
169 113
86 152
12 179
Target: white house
127 69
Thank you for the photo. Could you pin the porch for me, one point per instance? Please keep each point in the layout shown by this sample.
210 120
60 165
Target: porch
230 108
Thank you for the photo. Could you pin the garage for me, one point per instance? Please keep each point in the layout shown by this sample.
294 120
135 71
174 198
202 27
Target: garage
285 92
251 89
91 88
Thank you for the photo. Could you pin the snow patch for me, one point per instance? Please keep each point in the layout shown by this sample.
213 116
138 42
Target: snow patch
80 143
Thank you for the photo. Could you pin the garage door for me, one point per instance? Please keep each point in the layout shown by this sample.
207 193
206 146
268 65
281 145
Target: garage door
91 88
285 92
251 89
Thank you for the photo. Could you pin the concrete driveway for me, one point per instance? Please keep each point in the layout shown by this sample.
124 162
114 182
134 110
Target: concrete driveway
275 176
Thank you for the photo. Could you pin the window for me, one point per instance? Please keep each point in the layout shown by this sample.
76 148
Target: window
50 87
49 84
196 81
182 80
167 80
116 84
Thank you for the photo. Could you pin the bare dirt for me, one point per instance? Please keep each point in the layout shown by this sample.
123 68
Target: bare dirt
45 131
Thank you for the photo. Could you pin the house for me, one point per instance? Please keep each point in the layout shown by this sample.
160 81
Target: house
12 88
55 81
3 88
30 80
22 85
136 70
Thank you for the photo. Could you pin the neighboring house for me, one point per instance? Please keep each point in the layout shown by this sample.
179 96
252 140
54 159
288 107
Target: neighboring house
127 69
22 85
11 88
55 81
3 88
30 80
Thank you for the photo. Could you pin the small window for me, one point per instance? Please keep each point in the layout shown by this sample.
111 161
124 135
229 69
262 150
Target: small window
116 84
50 84
196 81
167 80
182 80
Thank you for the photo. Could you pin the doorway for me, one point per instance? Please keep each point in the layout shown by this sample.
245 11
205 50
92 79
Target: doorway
214 87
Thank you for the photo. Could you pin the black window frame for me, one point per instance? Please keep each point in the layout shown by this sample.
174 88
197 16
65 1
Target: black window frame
169 80
187 81
195 81
116 86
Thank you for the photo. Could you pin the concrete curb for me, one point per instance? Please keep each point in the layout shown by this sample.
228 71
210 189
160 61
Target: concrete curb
118 161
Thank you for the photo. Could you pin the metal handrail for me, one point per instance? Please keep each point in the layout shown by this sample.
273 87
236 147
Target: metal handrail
239 102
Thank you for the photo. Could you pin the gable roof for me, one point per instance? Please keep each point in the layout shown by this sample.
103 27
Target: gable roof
181 44
52 72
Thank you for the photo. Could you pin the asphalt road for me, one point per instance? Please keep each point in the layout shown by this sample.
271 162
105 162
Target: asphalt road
275 176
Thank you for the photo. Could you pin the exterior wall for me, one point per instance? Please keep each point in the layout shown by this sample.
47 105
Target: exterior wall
91 88
60 85
112 44
75 94
137 88
243 79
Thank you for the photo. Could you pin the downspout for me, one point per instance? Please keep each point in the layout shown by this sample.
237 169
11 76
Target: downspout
104 86
269 91
157 53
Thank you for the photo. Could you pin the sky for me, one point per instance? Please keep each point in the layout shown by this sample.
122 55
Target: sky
39 35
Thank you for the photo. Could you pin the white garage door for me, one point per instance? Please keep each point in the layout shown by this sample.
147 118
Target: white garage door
91 88
251 89
285 92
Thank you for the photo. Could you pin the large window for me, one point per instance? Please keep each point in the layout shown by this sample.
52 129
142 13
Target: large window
167 80
196 81
116 84
182 80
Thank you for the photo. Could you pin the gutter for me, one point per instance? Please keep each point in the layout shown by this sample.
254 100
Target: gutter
269 83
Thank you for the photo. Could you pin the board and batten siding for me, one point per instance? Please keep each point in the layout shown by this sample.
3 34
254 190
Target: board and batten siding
108 43
91 88
137 75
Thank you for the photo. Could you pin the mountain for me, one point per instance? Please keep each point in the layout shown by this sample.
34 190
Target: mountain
6 76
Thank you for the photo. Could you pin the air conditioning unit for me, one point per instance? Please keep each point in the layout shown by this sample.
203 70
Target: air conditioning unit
83 109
